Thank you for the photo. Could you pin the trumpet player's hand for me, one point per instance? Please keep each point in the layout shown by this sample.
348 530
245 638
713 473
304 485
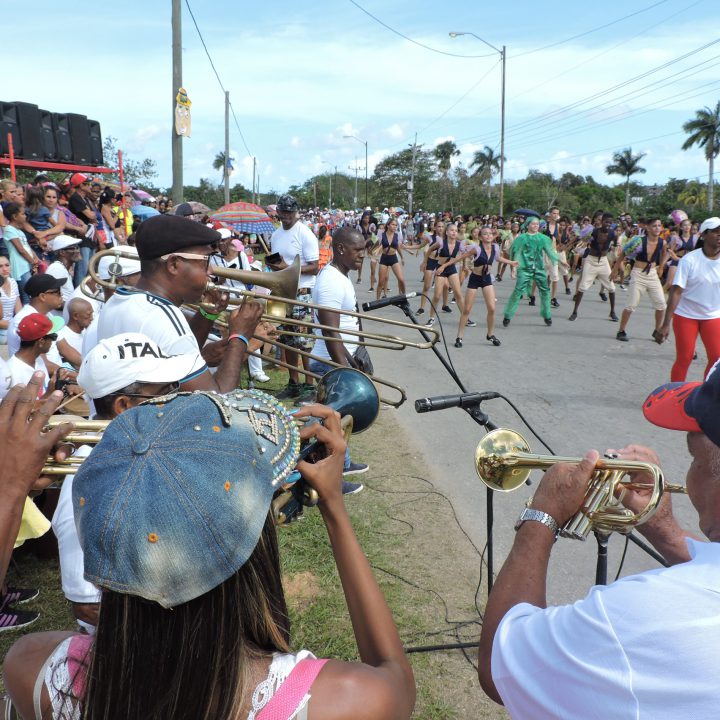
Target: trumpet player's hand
563 488
245 318
25 447
324 476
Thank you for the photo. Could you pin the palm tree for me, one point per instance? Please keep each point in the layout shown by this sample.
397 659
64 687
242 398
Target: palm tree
220 163
704 131
487 164
626 164
444 152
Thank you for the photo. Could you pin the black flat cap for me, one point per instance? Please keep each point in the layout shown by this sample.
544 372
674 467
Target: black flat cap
42 283
163 234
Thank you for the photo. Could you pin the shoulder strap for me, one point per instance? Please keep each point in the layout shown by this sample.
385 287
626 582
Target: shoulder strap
284 702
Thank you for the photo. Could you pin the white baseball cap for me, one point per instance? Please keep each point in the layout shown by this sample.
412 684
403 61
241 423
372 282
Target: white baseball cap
129 266
710 224
62 242
127 358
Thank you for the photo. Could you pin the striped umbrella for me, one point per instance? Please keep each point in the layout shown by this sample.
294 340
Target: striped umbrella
244 217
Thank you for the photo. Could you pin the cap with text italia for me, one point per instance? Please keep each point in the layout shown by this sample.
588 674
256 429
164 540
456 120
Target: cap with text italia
164 234
127 358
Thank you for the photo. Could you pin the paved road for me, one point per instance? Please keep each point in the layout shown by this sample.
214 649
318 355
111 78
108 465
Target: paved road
575 383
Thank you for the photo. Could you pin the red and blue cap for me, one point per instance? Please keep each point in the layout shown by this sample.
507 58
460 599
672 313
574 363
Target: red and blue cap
688 406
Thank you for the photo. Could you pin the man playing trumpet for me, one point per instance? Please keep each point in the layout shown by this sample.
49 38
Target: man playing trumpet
641 647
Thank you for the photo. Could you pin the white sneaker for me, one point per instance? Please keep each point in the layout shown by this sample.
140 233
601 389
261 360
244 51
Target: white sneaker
261 377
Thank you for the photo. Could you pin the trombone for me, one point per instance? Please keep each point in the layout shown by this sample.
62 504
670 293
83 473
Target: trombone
283 288
503 462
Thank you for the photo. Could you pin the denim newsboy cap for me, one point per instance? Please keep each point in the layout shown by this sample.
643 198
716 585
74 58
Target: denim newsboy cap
173 499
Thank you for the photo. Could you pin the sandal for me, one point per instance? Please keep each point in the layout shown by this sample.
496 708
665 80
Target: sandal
493 340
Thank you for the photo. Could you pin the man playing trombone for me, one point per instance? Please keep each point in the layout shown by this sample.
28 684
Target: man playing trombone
644 646
174 260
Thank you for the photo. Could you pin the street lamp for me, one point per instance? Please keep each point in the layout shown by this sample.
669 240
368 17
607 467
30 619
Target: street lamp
362 142
502 111
330 183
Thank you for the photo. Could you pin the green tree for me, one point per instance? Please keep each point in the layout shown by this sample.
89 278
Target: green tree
220 163
444 153
135 172
626 164
704 131
486 164
388 184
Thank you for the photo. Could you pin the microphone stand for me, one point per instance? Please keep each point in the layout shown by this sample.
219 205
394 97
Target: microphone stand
480 418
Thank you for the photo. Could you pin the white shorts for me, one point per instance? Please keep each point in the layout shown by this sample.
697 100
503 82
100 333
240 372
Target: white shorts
641 283
595 268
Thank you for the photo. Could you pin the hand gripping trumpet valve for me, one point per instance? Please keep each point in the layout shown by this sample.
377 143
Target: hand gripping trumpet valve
503 462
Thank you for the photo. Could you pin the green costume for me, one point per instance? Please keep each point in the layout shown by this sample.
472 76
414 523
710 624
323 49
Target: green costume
528 250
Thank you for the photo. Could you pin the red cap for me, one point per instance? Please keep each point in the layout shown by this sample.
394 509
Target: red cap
34 326
665 407
78 179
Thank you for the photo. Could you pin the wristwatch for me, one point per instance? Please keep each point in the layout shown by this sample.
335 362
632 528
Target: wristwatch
539 516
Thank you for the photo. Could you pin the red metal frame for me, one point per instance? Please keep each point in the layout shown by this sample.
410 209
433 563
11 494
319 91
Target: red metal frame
13 163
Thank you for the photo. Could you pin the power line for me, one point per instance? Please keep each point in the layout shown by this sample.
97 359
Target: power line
409 39
212 65
589 32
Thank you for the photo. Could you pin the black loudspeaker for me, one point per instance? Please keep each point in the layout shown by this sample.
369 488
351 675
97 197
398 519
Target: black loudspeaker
9 124
47 136
80 138
96 146
63 144
28 117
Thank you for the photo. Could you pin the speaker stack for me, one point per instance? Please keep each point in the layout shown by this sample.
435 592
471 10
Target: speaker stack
38 134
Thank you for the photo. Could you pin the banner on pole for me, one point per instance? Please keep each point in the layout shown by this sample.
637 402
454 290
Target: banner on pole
183 121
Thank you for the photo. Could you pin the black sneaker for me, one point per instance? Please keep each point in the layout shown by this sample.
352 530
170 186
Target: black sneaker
498 278
613 317
554 303
452 300
506 322
622 336
567 291
532 300
458 342
446 308
548 321
603 297
351 488
470 323
420 311
18 596
292 390
356 469
307 394
573 316
493 340
16 619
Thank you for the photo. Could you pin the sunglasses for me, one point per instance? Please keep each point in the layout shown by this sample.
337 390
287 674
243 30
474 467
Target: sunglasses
172 387
50 336
56 291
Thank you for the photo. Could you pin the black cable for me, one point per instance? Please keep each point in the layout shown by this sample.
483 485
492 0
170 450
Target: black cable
622 558
415 42
527 424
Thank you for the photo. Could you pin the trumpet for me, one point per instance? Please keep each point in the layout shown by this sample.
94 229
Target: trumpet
503 462
348 391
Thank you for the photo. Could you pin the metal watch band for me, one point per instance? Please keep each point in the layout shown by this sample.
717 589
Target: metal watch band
539 516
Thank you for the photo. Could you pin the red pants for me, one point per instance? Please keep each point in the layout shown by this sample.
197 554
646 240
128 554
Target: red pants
686 331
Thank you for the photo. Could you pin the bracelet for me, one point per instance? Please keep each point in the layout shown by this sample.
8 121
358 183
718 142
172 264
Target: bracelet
209 316
239 337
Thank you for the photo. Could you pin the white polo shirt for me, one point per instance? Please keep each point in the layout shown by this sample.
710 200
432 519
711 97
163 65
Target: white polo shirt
132 310
59 271
298 240
335 290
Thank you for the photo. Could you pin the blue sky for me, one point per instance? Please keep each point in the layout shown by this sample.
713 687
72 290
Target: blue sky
302 75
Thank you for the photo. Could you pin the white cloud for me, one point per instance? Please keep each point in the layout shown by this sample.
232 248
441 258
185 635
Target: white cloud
395 131
295 141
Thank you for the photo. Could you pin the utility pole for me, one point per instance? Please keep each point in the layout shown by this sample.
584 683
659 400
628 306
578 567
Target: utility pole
226 171
176 143
329 191
366 174
314 194
411 184
502 135
253 190
356 180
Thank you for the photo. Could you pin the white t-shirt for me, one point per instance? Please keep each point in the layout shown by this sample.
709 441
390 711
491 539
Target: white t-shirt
643 647
21 372
72 562
239 263
74 339
298 240
13 339
335 290
78 293
5 379
699 276
58 270
131 310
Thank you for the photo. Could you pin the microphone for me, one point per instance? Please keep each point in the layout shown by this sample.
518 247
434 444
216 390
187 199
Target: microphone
464 400
384 302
